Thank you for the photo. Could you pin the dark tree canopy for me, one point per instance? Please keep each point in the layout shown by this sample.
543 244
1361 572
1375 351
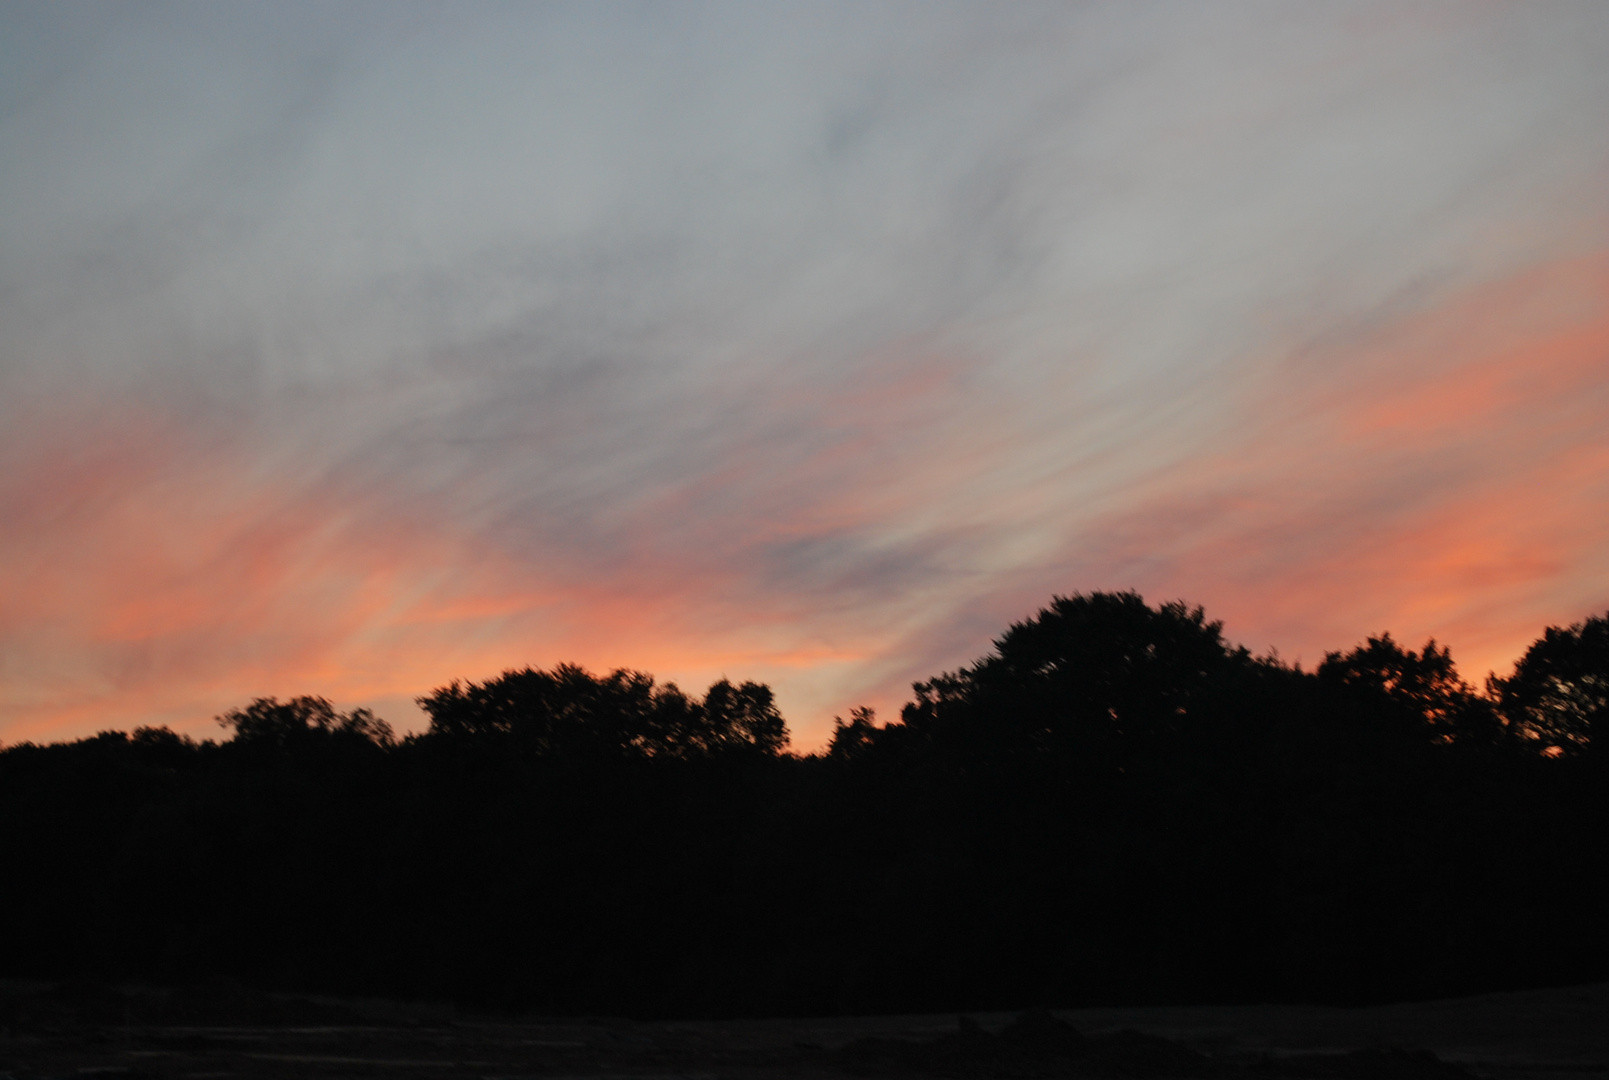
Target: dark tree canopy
1421 691
1113 806
569 713
850 740
302 720
1102 668
1558 695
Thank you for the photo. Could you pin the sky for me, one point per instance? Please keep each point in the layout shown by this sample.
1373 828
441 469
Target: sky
351 349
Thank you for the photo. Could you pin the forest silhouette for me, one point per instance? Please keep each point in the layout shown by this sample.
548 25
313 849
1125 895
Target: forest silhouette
1115 806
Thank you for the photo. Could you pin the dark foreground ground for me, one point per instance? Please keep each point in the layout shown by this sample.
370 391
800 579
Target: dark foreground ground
223 1030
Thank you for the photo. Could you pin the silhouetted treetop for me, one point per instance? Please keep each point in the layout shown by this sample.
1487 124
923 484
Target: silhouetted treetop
1559 692
741 717
301 721
1100 666
1421 691
854 738
570 713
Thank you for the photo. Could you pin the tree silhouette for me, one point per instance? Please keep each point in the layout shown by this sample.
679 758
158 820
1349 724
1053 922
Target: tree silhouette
569 713
737 718
1113 805
1420 691
1101 674
295 723
854 738
1559 692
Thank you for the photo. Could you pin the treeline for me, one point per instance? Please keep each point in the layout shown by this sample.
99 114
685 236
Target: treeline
1114 806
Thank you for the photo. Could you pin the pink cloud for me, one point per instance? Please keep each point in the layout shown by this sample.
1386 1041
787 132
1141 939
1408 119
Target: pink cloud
1445 476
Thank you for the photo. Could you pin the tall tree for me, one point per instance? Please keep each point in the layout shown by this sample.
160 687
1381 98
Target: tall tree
1096 671
1558 695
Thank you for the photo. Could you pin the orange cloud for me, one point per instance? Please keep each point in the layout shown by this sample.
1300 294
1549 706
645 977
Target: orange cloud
1445 474
1448 476
156 575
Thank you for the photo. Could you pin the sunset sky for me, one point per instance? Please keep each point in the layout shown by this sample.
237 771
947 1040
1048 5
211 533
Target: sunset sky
348 349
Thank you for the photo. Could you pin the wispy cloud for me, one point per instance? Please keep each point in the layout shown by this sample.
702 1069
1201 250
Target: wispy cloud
1442 474
352 350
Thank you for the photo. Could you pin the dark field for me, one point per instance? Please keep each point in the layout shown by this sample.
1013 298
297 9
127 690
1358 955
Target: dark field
223 1030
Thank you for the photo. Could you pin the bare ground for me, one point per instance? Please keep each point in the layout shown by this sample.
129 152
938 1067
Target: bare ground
224 1031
